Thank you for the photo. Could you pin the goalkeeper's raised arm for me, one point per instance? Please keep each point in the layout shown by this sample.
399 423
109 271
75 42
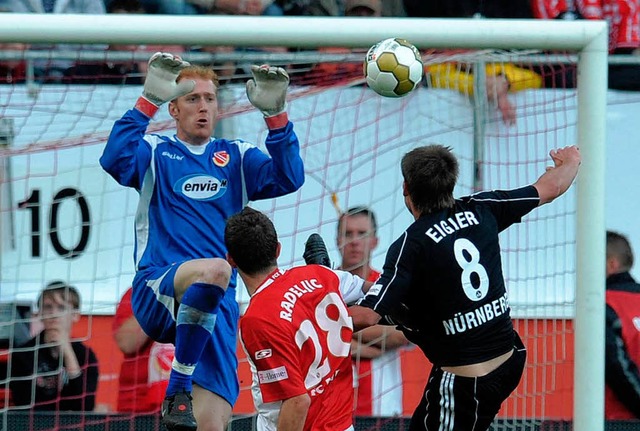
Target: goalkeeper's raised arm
190 184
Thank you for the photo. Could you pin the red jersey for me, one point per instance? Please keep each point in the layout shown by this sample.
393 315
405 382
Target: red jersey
626 306
297 333
144 375
621 15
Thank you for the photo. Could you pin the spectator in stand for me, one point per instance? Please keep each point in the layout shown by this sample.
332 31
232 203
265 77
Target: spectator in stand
501 79
393 8
52 6
623 17
144 373
622 333
12 71
53 70
309 7
230 71
364 8
374 8
468 8
51 371
168 7
246 7
127 72
327 73
374 350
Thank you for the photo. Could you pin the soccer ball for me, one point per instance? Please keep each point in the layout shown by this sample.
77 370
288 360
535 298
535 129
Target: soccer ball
393 67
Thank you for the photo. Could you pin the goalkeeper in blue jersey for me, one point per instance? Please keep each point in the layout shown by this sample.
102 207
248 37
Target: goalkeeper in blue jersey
189 185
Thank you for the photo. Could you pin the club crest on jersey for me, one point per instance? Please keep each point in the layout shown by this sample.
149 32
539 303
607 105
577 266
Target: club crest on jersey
221 158
201 187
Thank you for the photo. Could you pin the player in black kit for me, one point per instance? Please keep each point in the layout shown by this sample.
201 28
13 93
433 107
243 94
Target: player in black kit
442 283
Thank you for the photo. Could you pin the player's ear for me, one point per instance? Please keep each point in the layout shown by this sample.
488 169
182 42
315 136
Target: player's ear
173 109
405 191
278 250
230 260
374 241
613 266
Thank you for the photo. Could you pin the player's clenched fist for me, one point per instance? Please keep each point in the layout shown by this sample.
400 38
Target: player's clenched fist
160 85
566 155
267 91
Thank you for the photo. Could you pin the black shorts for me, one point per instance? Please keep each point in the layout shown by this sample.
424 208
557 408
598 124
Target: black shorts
455 403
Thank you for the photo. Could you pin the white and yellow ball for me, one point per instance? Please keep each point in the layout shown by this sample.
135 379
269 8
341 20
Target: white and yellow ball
393 67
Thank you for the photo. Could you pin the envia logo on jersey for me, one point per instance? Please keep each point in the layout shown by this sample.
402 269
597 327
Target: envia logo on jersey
201 187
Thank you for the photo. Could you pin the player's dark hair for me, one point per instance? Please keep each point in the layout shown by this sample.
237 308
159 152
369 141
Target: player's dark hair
252 241
359 210
430 173
66 291
618 246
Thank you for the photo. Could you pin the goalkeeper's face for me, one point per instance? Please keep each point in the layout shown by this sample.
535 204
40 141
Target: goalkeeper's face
196 113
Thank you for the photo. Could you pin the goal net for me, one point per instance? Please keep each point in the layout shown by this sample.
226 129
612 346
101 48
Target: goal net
63 218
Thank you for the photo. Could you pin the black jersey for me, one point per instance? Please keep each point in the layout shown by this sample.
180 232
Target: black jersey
442 279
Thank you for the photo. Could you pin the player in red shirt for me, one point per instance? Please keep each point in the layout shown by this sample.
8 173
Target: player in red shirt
144 373
296 332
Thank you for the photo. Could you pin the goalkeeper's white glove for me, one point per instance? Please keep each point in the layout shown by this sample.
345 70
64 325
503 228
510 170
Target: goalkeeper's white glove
160 85
267 91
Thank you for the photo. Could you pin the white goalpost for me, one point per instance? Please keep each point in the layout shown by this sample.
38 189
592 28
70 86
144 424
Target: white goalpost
585 39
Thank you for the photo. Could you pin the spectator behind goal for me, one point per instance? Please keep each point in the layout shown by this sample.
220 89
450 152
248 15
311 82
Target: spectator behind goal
51 371
375 350
118 71
622 332
144 373
52 69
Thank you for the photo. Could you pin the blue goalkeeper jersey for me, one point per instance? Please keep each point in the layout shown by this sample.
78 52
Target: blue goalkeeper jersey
188 192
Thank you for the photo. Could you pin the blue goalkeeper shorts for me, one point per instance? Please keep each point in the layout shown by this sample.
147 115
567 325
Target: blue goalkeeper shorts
154 306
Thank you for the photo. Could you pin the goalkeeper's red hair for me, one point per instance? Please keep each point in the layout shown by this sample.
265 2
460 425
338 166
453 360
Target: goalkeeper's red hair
202 72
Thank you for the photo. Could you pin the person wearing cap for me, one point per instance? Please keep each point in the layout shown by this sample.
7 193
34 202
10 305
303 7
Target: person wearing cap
365 8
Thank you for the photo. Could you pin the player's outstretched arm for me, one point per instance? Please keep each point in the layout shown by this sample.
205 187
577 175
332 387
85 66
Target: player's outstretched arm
267 91
160 85
363 317
558 178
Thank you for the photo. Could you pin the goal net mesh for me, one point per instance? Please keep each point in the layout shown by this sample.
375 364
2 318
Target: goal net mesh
63 218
